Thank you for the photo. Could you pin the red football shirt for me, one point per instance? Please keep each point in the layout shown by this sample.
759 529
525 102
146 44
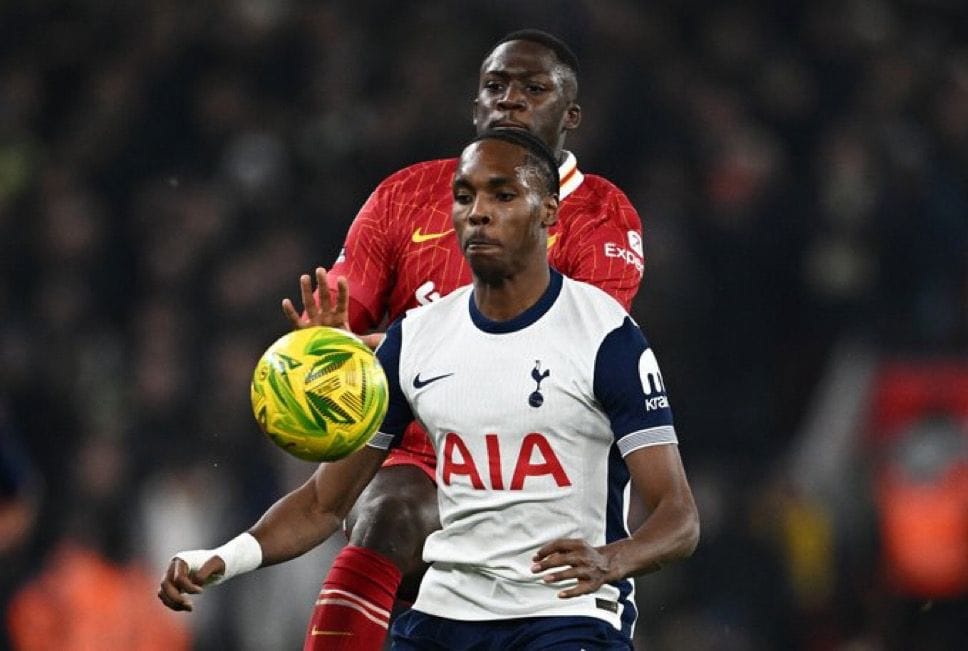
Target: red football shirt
401 250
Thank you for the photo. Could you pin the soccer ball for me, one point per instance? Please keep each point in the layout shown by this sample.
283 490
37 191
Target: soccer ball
319 393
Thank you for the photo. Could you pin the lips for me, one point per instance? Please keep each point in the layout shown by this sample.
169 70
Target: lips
507 124
479 241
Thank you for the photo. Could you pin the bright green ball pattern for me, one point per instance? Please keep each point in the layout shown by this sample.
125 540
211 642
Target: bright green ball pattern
319 393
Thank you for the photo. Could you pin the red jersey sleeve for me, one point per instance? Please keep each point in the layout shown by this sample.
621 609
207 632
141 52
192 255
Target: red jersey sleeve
605 247
367 259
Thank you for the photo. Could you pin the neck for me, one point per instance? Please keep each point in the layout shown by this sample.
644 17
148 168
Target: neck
505 298
560 153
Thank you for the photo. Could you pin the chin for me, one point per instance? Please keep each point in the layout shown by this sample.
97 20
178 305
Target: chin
488 272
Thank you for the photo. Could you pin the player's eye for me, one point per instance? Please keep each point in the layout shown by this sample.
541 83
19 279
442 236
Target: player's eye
536 89
462 198
494 86
506 196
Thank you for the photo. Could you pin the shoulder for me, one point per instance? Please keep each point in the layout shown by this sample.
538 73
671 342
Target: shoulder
592 296
599 199
598 187
439 313
428 174
595 308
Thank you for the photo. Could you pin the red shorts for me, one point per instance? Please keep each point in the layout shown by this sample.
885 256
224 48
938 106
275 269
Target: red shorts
416 450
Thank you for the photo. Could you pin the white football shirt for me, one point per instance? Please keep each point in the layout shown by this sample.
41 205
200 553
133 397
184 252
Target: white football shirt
531 419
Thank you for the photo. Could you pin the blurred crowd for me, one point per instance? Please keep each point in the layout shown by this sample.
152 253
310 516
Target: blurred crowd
168 169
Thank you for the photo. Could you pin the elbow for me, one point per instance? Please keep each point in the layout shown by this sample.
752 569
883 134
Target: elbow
690 534
687 538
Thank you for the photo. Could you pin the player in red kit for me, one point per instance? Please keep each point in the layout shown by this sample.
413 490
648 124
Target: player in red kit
400 252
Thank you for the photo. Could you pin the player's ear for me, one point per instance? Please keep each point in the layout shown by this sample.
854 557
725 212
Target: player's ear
549 215
474 111
572 117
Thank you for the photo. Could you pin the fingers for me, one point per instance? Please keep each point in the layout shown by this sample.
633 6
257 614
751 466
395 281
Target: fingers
309 301
177 581
172 599
582 587
559 546
572 560
320 308
342 295
325 305
295 319
374 340
578 572
330 314
210 571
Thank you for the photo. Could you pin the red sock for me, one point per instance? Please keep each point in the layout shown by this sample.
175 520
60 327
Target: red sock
353 608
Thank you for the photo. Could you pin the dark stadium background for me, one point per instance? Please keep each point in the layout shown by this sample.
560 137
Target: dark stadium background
168 169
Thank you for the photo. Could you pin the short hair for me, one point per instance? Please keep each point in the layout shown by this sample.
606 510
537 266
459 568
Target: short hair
564 53
539 154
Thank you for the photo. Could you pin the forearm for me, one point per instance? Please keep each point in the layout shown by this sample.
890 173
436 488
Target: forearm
670 533
294 525
360 319
313 512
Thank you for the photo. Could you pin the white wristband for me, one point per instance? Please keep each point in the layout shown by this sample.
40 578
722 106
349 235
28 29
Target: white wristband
241 554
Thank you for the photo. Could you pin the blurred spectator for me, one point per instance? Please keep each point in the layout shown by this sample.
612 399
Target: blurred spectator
86 594
918 443
56 610
21 490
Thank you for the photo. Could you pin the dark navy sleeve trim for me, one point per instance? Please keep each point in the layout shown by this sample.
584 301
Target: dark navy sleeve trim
629 386
399 415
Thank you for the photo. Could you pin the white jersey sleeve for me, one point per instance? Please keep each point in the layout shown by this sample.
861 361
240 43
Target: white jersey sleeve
399 414
629 386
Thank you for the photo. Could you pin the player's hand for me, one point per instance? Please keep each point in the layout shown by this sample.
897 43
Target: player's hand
373 340
575 559
319 309
180 580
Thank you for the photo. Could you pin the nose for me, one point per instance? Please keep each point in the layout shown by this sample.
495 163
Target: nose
478 219
512 99
478 215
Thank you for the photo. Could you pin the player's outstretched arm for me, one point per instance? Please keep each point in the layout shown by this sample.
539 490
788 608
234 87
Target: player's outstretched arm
318 307
298 522
670 533
310 514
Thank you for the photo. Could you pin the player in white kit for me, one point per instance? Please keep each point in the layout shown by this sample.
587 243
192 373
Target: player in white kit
543 399
534 418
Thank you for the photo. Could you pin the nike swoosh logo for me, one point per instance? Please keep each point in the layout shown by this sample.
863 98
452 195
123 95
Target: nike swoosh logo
552 239
316 631
419 237
420 384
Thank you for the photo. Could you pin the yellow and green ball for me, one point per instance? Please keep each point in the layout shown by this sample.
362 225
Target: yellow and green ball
319 393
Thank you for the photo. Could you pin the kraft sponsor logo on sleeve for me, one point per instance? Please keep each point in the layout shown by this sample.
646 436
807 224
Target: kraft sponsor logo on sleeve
652 382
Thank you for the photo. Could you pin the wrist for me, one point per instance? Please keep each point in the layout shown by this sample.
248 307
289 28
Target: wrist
617 560
241 554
